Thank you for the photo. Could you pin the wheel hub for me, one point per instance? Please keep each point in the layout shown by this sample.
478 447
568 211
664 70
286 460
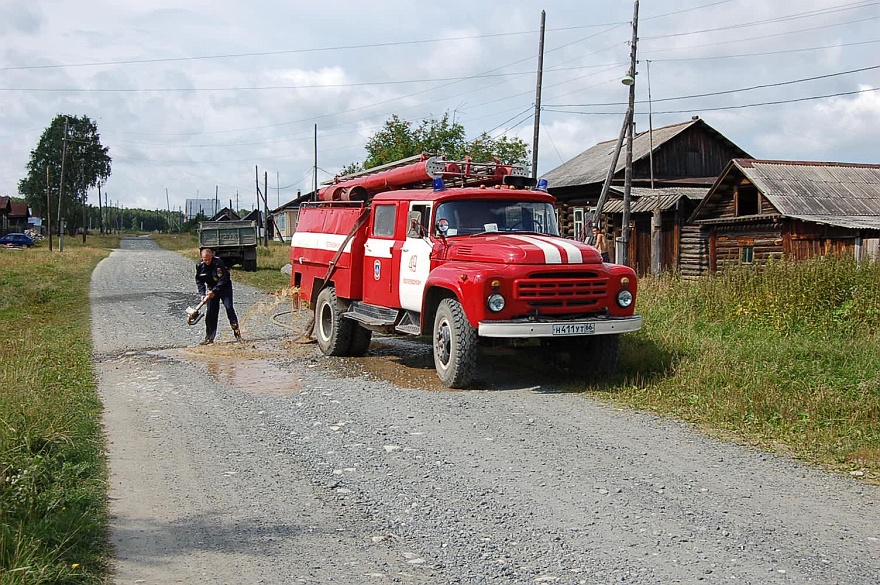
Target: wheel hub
442 342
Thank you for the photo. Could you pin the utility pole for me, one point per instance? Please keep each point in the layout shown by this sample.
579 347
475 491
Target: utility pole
61 189
168 207
538 99
48 208
82 176
315 192
657 215
100 211
278 189
266 203
216 199
627 181
259 213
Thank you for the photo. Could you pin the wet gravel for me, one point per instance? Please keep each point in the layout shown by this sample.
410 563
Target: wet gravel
330 471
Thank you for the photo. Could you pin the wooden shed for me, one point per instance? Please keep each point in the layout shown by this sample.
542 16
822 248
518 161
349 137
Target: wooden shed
684 246
5 210
688 154
286 216
763 209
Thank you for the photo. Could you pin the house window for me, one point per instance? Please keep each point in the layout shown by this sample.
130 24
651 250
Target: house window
747 200
747 254
383 220
282 223
578 221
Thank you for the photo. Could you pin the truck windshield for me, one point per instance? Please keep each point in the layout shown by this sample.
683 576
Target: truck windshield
481 216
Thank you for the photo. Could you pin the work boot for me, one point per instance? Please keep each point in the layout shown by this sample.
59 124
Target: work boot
236 331
207 341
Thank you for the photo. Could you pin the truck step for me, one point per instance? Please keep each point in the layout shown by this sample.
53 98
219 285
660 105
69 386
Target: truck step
408 329
371 314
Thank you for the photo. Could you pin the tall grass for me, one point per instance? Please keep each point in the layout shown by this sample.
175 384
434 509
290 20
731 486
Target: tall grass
786 357
52 470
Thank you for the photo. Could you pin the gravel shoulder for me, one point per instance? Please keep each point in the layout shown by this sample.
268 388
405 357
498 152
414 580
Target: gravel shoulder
266 462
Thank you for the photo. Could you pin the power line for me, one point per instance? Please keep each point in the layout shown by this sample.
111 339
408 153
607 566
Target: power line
725 92
797 16
295 51
737 107
766 53
728 42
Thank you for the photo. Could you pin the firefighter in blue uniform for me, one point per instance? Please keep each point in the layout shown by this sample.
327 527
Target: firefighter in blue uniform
215 282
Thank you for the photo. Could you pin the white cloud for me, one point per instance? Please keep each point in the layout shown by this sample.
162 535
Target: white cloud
193 140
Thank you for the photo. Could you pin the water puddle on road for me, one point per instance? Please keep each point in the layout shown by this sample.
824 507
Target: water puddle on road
247 367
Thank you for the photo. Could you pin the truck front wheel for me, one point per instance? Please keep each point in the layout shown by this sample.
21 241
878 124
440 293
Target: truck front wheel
332 330
455 345
599 354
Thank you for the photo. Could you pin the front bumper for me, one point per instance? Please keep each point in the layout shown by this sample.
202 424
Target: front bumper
524 328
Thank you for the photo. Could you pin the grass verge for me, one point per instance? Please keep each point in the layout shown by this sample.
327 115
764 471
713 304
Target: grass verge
53 478
785 359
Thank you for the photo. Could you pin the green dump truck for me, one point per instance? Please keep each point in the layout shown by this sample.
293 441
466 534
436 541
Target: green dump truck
233 241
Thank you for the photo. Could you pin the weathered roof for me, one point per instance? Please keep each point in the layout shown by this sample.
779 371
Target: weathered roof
293 203
19 210
647 200
225 214
839 194
591 166
4 202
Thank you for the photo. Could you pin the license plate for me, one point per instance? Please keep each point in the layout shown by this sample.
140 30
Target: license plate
574 328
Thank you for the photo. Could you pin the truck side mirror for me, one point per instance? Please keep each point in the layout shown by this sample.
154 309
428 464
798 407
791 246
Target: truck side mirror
443 226
416 229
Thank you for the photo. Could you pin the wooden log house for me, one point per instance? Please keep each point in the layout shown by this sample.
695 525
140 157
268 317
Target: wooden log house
684 159
759 210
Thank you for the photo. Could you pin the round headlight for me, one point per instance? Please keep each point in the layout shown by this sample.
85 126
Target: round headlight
495 302
624 298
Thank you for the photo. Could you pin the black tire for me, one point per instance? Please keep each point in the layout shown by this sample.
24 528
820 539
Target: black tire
332 330
250 265
360 340
455 345
600 354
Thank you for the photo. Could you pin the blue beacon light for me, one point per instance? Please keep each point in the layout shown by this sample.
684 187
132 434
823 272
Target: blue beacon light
542 185
438 184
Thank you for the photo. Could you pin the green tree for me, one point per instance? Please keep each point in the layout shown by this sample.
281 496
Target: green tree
86 165
398 139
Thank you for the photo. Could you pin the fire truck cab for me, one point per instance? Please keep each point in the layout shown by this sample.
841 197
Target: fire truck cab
463 264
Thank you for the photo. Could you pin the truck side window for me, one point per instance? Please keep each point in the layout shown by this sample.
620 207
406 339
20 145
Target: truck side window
383 220
417 225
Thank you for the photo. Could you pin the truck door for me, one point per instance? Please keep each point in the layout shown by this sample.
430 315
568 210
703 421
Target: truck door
380 272
415 257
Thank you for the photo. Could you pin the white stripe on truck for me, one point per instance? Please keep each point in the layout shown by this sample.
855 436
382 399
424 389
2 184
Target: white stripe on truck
319 241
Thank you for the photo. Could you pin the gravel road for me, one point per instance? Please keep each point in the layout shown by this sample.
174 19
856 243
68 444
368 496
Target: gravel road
265 462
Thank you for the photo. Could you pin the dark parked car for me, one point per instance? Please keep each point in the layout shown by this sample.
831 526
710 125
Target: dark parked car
16 241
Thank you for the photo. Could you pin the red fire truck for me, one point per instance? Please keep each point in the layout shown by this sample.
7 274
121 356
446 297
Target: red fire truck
465 253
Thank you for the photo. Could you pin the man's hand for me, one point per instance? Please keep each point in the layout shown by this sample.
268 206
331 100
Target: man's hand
210 294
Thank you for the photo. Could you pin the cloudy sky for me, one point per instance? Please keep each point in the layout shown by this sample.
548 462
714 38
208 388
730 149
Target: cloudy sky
191 95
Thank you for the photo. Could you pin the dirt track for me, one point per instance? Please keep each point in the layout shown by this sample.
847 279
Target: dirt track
268 463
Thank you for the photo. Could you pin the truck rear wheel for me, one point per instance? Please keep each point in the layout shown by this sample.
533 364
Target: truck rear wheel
332 330
455 345
360 340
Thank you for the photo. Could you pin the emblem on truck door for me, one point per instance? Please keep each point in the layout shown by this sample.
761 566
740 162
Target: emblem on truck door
377 270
